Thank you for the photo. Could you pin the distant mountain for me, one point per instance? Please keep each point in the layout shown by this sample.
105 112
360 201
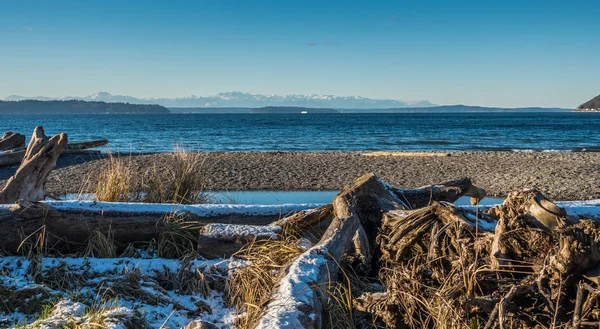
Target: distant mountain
246 100
291 110
593 105
432 109
77 107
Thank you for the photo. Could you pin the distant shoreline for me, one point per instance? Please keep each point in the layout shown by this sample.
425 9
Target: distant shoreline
315 110
38 107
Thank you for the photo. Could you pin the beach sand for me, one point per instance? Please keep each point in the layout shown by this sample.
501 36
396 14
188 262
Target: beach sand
559 175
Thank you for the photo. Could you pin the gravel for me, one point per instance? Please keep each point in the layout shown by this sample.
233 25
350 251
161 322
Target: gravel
559 175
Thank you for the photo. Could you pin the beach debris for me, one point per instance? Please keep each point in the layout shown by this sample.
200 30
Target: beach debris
11 141
447 191
71 224
377 257
441 270
27 184
87 144
405 154
297 300
14 155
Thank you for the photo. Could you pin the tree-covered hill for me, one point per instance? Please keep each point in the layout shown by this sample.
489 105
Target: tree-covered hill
77 107
591 105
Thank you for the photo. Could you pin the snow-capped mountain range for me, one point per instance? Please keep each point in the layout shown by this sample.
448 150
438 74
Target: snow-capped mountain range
240 99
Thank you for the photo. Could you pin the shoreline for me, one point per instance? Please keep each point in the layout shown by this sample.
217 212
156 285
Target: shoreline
558 175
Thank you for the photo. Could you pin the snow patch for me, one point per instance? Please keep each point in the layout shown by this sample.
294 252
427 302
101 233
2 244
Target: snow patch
295 289
200 210
219 230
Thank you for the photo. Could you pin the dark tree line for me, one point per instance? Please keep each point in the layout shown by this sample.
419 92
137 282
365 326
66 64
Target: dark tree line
77 107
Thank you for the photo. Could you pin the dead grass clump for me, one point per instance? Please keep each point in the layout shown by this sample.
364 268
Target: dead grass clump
179 181
191 281
338 306
61 278
101 245
117 182
30 300
179 238
249 289
129 287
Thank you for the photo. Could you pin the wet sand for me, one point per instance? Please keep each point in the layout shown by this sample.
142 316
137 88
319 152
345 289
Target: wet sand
559 175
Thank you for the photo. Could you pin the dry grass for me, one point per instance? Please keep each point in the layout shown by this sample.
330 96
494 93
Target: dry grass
190 281
129 287
179 238
339 308
178 180
100 245
117 182
249 289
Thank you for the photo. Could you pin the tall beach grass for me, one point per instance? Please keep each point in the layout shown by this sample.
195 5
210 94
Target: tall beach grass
177 180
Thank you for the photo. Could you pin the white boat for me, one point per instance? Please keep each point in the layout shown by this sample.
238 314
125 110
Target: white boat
303 112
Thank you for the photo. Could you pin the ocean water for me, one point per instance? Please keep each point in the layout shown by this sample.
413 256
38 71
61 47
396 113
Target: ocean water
325 132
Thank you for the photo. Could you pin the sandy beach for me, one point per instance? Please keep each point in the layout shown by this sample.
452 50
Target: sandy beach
559 175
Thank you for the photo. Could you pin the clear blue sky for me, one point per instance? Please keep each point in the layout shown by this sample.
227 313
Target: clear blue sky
496 53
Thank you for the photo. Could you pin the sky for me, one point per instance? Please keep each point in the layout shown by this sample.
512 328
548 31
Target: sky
491 53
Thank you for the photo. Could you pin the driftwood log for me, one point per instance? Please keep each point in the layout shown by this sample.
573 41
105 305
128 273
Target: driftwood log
223 240
448 191
11 141
27 184
69 224
15 156
298 299
312 224
128 223
87 144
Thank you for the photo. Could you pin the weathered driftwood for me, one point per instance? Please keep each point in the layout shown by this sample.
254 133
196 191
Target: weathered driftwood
15 156
448 191
297 301
87 144
70 224
27 184
521 264
310 224
11 141
11 158
402 229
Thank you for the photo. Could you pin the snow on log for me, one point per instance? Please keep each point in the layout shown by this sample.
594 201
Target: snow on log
223 240
74 221
27 184
297 300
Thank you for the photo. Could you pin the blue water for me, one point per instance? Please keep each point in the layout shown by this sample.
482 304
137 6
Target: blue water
283 197
277 197
325 132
